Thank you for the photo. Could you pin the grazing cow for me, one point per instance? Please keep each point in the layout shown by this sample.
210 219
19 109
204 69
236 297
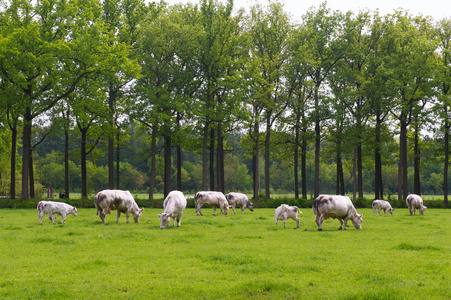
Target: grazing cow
382 204
336 207
174 205
413 202
55 208
240 200
122 201
215 199
285 212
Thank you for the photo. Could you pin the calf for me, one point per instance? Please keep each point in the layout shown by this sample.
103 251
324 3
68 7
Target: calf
240 200
336 207
174 205
285 212
381 204
413 202
122 201
215 199
55 208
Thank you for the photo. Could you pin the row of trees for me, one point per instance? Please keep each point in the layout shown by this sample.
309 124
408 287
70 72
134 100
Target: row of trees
334 86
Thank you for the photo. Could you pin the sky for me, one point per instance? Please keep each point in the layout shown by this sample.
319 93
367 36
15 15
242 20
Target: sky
437 9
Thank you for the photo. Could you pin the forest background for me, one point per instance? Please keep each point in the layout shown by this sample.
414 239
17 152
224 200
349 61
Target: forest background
151 97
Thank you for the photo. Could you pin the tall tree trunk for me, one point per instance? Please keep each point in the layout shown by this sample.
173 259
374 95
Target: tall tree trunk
167 165
267 144
179 168
360 168
31 174
12 187
205 158
304 158
153 149
220 160
26 152
212 160
402 171
317 143
110 137
379 192
446 162
296 160
354 175
118 156
84 181
255 160
66 159
416 160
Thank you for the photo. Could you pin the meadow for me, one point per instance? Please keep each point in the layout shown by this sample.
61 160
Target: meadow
242 256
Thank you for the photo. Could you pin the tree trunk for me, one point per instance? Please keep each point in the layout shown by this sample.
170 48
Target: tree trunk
31 174
379 192
167 165
153 168
220 160
416 160
359 167
84 185
255 161
26 152
110 137
402 171
179 157
304 158
118 148
205 158
446 162
296 160
212 160
267 144
317 143
12 187
66 160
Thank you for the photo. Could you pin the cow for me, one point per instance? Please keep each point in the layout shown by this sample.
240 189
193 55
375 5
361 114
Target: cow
240 200
215 199
413 202
284 212
174 205
122 201
336 207
55 208
382 204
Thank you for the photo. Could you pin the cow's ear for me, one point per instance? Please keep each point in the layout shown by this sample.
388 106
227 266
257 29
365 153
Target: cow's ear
74 208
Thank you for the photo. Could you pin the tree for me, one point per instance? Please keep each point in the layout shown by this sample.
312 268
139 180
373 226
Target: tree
269 33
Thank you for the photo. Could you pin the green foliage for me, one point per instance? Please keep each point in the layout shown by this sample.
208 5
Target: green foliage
242 256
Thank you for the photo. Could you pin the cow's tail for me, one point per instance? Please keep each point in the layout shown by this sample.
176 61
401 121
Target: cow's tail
40 206
315 206
96 200
409 200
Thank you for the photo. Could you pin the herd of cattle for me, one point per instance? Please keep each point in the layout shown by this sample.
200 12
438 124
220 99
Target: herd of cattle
324 207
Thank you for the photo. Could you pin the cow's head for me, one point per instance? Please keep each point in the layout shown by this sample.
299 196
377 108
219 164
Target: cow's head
226 209
391 210
137 215
422 209
164 218
250 205
74 211
357 221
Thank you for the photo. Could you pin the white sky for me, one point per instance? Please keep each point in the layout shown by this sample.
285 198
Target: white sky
437 9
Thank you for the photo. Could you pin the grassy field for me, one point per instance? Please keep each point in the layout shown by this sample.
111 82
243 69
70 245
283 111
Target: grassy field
242 256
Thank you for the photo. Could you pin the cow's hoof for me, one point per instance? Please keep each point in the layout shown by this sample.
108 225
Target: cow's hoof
320 229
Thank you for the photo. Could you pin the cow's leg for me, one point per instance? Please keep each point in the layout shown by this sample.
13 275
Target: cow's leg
199 209
214 210
284 222
41 215
179 220
385 211
297 222
63 217
374 211
233 207
126 215
341 224
345 221
379 211
276 220
118 215
319 221
51 218
102 215
242 209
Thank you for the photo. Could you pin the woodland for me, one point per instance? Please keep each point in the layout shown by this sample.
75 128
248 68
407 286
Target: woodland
151 97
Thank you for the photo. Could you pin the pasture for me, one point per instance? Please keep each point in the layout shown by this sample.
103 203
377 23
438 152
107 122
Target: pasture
242 256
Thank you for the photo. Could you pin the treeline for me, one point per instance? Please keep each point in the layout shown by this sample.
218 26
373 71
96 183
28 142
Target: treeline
219 98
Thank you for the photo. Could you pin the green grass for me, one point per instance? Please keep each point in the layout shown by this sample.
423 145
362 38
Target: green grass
242 256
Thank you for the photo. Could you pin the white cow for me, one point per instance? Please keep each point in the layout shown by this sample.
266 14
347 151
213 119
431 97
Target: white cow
413 202
174 205
240 200
122 201
215 199
336 207
285 212
382 204
55 208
